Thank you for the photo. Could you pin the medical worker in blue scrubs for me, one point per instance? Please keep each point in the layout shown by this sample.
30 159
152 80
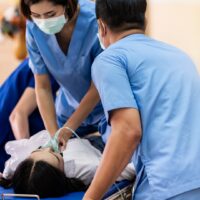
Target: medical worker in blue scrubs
62 41
19 116
150 92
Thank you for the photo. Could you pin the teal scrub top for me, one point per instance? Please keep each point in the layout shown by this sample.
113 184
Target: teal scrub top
72 71
162 83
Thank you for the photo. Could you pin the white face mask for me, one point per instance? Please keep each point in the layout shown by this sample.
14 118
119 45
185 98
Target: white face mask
52 25
101 43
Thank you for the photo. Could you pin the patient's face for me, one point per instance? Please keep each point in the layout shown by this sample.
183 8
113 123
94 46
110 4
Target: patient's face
49 156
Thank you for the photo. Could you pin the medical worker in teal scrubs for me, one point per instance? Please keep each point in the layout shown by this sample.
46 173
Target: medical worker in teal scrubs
62 41
150 92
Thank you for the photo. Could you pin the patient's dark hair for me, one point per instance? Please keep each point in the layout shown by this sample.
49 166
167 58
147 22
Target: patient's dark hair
122 15
42 179
71 6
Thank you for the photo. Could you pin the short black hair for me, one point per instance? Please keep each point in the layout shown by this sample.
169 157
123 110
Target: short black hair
42 179
122 15
71 6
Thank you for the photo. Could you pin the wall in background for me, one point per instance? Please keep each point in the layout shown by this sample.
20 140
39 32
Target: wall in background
177 22
8 61
174 21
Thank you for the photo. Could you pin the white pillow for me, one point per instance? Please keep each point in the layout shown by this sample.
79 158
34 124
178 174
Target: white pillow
19 150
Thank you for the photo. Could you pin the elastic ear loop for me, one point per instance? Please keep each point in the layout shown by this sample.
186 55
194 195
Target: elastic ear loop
89 148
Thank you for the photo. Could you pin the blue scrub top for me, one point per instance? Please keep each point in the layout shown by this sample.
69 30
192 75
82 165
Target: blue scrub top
162 83
72 70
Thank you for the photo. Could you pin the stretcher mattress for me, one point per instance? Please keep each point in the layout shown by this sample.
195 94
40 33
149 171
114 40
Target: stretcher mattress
113 194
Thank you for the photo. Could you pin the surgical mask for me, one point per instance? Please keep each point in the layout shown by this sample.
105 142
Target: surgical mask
52 25
100 41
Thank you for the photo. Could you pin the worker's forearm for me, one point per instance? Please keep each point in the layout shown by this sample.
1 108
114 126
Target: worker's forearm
116 156
86 106
20 125
19 116
27 103
47 109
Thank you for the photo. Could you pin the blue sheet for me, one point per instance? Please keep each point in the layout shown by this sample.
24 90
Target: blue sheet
72 196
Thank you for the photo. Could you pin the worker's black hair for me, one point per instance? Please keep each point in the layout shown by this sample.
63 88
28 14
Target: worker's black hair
71 6
122 15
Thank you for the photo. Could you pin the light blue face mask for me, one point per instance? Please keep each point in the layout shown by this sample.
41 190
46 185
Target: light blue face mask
101 43
52 25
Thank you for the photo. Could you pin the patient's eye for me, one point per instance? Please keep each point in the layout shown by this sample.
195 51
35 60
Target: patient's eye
38 149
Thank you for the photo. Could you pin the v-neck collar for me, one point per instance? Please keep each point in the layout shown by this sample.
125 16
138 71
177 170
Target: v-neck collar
72 47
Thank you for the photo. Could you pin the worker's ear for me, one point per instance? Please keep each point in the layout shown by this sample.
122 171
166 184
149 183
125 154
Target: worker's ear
102 28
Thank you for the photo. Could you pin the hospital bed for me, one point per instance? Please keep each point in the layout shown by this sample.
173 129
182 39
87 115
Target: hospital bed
123 188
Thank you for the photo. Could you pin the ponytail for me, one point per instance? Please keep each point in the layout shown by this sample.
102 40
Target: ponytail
74 185
6 183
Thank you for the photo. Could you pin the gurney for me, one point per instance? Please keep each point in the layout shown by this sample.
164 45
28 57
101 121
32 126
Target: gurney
120 191
123 187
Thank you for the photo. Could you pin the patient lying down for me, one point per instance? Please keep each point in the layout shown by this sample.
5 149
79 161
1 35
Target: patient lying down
35 170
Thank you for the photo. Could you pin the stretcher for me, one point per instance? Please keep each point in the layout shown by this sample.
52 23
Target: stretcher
120 191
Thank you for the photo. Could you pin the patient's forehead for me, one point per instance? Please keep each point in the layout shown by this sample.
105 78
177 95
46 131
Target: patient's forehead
44 155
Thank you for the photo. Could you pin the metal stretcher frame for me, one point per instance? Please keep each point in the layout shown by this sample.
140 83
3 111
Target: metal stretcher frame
125 192
20 195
